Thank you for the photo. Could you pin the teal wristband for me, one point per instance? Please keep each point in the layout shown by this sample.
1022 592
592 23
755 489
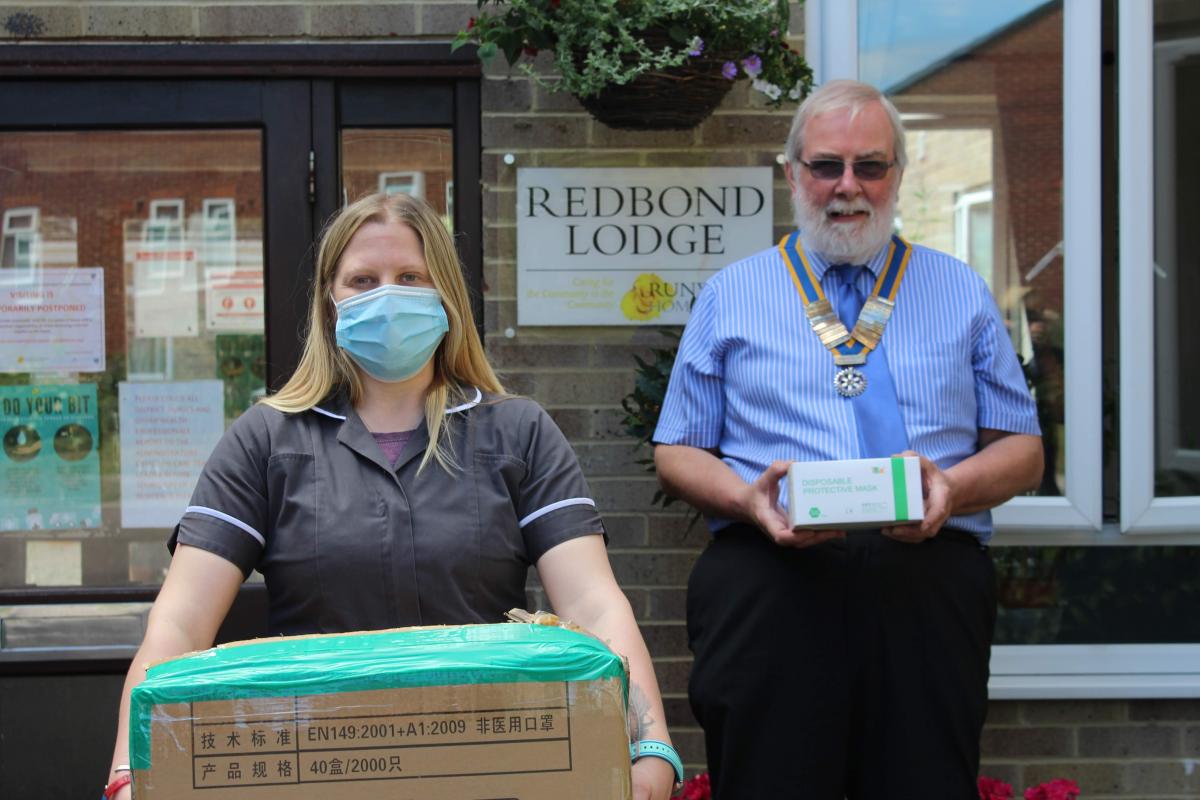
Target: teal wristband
657 749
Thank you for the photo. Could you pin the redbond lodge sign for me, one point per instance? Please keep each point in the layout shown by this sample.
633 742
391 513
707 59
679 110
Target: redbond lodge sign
631 246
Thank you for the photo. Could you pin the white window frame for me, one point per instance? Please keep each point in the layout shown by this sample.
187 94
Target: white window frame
1102 670
218 250
175 204
415 179
172 223
30 233
962 220
1142 513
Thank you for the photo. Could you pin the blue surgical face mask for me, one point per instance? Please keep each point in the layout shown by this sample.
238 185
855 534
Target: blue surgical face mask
392 331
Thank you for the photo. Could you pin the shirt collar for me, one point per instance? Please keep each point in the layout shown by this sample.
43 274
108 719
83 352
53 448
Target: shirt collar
820 265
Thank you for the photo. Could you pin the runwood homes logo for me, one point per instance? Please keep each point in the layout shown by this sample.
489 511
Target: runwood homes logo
613 246
651 295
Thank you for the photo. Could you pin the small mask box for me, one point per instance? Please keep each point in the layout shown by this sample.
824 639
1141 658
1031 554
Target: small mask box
860 493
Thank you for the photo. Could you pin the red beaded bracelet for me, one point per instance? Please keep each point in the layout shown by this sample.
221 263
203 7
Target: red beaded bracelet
110 791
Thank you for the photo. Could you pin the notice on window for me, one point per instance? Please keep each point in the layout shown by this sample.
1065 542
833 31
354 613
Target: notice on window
165 295
50 465
52 320
233 299
168 431
632 246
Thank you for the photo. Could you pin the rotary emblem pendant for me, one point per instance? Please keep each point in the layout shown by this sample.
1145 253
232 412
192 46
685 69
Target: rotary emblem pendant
850 382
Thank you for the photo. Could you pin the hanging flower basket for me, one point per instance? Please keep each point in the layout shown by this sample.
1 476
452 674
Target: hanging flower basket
646 64
671 98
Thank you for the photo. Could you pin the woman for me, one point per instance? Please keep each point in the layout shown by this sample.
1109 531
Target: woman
390 482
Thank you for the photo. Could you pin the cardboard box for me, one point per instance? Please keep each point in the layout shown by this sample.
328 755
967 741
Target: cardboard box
520 711
859 493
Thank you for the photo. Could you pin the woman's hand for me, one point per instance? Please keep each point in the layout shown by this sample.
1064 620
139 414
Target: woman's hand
653 779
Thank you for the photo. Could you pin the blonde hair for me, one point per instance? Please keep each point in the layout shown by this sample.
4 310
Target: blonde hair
834 96
459 363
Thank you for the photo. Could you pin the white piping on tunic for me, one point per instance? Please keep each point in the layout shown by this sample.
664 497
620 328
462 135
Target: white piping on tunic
463 407
469 404
544 510
221 515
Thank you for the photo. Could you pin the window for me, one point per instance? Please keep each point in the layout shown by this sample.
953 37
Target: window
412 183
1016 88
21 239
1160 439
218 233
163 256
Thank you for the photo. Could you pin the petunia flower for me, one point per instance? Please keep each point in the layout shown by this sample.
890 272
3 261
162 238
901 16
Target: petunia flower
697 788
696 47
1057 789
730 70
769 89
994 789
753 65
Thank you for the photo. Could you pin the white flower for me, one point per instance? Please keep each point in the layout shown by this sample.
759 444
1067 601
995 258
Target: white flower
769 89
796 91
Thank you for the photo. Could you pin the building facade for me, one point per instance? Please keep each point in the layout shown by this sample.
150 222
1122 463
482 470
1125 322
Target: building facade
165 167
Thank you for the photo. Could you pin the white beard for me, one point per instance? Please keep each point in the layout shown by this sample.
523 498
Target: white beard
840 242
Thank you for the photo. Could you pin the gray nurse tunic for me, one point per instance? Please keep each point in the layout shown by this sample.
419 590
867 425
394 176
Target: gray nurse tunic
347 542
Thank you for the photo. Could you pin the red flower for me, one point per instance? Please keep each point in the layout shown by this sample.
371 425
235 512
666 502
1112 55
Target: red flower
696 788
470 23
555 3
529 51
994 789
1057 789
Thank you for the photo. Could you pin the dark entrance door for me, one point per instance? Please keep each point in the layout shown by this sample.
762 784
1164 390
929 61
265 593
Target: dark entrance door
177 216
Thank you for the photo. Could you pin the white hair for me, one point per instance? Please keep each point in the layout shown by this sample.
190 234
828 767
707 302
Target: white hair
834 96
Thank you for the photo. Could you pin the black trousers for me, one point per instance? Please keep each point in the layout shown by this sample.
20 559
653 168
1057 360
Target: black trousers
853 669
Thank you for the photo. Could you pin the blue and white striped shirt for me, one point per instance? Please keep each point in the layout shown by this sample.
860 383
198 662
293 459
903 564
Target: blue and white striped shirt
753 381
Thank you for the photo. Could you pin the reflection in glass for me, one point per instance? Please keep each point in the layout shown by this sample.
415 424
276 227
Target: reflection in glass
146 247
979 86
411 160
1176 246
1097 595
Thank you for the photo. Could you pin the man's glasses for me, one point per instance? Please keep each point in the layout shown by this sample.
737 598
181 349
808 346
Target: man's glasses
831 169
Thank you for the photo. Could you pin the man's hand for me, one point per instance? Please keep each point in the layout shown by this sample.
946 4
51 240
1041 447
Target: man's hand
939 503
762 508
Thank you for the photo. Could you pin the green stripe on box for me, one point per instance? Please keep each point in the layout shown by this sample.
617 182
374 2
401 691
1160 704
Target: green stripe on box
899 489
397 659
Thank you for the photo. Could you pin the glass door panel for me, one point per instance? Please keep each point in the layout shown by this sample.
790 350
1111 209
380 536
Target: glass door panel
1176 248
131 335
979 87
416 161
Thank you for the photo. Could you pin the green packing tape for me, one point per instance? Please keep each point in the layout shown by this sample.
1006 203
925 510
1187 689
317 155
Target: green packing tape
396 659
900 489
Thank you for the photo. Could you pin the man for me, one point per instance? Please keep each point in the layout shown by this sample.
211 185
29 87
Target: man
831 664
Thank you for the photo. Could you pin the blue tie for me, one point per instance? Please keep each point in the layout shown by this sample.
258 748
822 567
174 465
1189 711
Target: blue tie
877 411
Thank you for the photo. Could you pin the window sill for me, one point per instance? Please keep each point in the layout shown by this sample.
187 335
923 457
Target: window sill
1095 671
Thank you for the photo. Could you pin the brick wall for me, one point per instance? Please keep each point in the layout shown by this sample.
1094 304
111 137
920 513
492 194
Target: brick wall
1126 749
1111 748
